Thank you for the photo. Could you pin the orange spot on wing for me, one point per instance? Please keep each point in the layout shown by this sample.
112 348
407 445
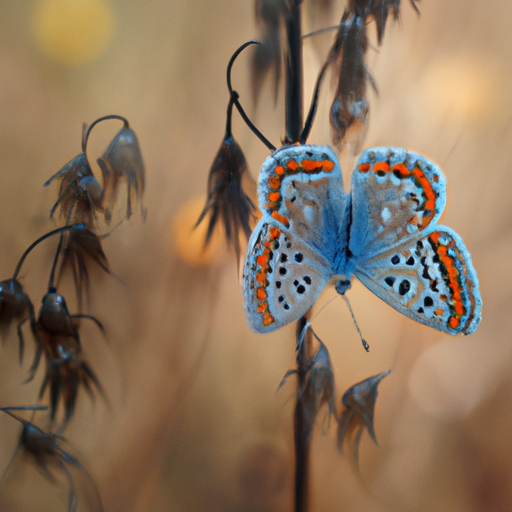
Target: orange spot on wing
454 322
268 319
438 312
292 165
261 294
274 233
274 196
380 167
281 218
310 165
261 277
274 181
364 167
279 170
327 165
262 307
401 170
435 237
261 260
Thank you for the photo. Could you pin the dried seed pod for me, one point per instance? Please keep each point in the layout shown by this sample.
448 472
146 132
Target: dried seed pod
66 368
122 163
15 303
79 249
350 106
54 317
66 372
45 450
80 194
268 57
379 10
318 388
227 202
359 407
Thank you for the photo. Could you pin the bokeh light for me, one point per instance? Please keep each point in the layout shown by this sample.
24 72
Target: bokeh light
72 32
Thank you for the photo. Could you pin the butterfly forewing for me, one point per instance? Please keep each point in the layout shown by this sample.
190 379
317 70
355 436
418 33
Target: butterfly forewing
430 279
397 194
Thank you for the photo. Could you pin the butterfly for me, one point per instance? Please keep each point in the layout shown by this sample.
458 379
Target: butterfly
384 232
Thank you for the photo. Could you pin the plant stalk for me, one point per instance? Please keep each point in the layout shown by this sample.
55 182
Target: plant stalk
294 101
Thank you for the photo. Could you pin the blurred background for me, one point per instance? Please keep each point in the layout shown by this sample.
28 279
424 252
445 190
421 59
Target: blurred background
194 421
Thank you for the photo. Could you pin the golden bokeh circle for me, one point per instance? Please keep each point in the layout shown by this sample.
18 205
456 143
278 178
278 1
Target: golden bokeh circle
189 241
72 32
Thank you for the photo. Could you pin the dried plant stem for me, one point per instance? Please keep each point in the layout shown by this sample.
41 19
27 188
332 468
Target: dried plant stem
302 426
294 74
294 104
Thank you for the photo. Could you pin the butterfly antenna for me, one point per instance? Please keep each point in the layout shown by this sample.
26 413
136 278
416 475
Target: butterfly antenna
41 239
307 325
363 341
233 100
324 306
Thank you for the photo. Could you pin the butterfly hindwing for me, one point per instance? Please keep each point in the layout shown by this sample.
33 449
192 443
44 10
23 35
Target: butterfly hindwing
397 194
430 279
282 277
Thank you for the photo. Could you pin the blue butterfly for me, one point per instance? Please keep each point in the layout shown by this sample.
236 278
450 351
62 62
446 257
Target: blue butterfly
384 232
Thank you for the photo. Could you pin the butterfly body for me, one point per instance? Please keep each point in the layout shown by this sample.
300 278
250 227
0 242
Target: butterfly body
384 232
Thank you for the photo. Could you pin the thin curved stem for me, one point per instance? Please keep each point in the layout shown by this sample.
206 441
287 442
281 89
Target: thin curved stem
99 120
302 438
41 239
54 264
233 99
314 104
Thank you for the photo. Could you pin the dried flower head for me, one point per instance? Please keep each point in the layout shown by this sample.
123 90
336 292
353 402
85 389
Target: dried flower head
379 10
358 413
349 110
79 250
319 384
45 449
122 163
80 194
317 388
66 368
350 106
15 305
268 57
226 201
66 372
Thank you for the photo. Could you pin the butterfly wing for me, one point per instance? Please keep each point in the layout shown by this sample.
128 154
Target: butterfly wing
294 248
283 277
430 279
396 194
422 270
